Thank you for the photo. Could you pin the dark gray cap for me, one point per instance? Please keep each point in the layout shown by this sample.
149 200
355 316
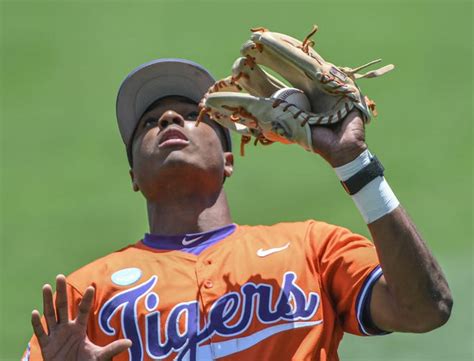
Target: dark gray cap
157 79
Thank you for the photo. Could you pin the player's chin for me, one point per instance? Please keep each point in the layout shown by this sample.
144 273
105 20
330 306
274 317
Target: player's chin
177 157
183 154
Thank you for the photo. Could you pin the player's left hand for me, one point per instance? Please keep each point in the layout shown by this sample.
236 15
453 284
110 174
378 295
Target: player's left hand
342 142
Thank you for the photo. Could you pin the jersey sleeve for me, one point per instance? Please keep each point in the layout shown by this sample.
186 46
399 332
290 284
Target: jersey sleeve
349 267
33 351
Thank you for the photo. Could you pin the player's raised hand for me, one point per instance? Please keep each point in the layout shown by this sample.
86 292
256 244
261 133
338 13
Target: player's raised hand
341 142
67 339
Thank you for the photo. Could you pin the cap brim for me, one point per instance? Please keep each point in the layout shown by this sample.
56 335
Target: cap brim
154 80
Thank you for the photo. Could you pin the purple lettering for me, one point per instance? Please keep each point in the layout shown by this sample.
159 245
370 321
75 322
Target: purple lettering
127 302
229 316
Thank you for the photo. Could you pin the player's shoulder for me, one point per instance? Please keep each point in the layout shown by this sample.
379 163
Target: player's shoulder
96 271
295 231
294 227
310 232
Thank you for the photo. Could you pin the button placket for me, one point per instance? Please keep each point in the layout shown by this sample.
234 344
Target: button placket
207 270
206 282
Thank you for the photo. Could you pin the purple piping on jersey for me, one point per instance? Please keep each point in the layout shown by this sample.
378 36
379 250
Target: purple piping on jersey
193 243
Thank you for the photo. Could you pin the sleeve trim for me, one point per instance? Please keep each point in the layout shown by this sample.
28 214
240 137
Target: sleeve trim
26 357
364 297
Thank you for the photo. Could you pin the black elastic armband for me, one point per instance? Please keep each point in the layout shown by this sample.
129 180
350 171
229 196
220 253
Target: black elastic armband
363 177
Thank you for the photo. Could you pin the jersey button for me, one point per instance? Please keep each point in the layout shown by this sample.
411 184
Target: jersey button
208 284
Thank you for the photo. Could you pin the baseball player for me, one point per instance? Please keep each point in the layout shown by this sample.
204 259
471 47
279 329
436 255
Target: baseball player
197 286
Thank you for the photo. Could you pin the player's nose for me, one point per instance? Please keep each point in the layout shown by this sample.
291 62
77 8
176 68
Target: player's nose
170 117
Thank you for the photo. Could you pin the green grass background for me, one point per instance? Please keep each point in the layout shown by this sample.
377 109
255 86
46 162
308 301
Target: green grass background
66 198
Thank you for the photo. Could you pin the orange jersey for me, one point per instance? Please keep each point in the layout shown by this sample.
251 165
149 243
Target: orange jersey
282 292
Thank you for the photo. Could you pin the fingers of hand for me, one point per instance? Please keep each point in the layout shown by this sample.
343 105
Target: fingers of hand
38 328
114 349
85 306
48 308
61 299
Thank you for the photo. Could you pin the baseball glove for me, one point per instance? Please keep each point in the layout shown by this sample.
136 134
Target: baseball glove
244 101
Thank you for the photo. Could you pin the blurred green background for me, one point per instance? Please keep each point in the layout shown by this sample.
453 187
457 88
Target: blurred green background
66 198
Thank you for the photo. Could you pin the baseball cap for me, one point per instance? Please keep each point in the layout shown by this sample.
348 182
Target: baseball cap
157 79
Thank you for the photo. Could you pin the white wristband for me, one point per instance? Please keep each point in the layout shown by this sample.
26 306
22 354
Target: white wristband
375 199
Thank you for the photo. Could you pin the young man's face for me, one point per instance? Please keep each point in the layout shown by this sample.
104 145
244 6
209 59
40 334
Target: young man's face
168 147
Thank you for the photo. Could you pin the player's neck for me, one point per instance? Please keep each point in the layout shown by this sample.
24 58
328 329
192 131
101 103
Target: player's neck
189 214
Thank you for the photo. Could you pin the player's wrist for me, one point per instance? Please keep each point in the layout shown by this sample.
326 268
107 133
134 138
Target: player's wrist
363 179
352 164
344 156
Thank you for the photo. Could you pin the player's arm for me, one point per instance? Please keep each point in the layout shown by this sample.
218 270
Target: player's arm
63 338
413 294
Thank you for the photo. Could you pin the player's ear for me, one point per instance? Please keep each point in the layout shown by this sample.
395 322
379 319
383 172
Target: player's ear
228 164
134 183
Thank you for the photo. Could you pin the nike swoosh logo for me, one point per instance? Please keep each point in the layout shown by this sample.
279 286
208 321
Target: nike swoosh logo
188 241
265 252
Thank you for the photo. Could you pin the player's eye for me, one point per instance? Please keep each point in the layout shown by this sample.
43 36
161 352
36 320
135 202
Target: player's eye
150 122
193 115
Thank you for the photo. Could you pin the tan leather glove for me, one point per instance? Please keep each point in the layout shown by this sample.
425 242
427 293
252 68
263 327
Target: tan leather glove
243 102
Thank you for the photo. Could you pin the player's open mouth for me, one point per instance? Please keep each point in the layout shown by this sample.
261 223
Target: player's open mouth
172 137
